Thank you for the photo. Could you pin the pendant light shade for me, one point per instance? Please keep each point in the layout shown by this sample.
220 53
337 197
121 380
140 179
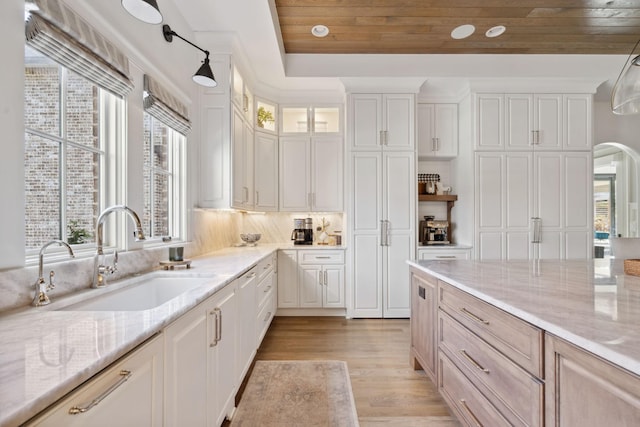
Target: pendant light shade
625 97
204 75
144 10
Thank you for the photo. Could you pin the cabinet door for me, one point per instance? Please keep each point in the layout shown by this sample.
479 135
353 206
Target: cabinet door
266 172
327 170
423 321
246 321
222 380
239 191
578 205
398 122
583 390
310 281
186 369
425 118
295 182
489 122
446 123
333 289
365 122
519 121
578 123
548 121
287 279
249 165
134 402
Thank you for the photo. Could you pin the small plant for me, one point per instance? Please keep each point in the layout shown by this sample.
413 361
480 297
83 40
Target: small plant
77 235
264 116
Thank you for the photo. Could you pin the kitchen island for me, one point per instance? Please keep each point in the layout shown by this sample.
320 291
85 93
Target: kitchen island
545 343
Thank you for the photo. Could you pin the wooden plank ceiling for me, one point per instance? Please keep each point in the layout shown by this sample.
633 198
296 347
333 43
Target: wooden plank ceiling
424 26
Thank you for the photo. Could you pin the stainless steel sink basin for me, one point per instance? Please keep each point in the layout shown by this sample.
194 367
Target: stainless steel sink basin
145 293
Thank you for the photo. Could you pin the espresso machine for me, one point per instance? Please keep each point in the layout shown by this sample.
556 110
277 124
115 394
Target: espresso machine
434 232
302 231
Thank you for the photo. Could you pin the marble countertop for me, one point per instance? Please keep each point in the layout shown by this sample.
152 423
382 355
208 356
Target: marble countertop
591 303
46 353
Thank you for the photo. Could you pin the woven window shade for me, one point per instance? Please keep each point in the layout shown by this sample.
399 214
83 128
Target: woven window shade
165 107
59 33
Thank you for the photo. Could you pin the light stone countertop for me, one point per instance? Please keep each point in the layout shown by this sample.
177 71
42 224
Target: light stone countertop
47 353
591 304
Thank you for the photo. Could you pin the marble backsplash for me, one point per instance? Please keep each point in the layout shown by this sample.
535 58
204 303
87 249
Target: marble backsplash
212 230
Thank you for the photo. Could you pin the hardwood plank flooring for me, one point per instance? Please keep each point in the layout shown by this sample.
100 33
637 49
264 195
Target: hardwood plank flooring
387 391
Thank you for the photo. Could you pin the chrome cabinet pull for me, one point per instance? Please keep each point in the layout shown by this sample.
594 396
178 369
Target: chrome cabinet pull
326 279
320 277
473 316
214 320
473 361
267 289
251 275
446 256
267 317
219 331
323 257
537 229
437 144
433 144
471 414
124 376
257 197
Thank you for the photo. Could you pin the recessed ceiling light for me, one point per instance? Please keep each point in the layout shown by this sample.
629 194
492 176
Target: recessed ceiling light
496 31
320 31
463 31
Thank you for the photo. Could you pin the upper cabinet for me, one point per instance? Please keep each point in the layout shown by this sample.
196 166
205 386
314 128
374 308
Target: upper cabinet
533 122
266 116
242 96
382 122
310 120
437 130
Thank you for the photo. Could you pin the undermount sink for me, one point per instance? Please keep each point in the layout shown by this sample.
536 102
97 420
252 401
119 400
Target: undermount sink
145 293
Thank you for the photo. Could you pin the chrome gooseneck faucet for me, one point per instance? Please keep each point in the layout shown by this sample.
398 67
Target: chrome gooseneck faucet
99 269
41 298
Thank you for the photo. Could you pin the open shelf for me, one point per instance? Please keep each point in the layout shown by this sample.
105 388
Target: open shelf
437 198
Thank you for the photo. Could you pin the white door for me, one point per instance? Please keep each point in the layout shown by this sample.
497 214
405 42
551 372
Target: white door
446 124
398 122
578 123
327 169
548 121
239 190
246 321
310 281
333 289
186 369
222 381
578 215
287 278
266 172
518 205
295 176
248 166
489 122
366 121
399 190
519 121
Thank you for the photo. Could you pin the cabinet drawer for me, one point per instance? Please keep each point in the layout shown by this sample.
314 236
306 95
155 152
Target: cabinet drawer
265 267
264 290
321 257
471 407
516 393
515 338
443 255
265 315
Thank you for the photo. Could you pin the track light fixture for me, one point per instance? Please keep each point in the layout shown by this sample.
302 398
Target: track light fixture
204 75
145 10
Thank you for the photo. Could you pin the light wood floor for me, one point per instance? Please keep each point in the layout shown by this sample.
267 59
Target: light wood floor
387 391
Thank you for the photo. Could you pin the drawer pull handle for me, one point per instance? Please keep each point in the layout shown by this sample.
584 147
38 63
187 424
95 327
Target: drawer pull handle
473 316
267 289
323 257
468 410
473 361
251 275
267 317
446 256
124 376
268 266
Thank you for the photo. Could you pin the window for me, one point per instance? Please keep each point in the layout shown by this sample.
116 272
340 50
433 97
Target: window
163 183
71 126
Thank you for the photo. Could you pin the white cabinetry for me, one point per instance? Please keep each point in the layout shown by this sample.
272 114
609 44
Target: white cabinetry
200 365
437 130
128 393
382 121
514 187
242 154
266 172
311 174
311 279
247 297
266 295
443 253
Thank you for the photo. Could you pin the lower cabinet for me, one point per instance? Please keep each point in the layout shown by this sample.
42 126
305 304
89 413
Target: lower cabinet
200 369
128 393
424 307
311 279
247 297
584 390
443 253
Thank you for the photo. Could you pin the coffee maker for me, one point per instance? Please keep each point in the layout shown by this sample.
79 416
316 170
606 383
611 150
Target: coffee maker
434 232
302 232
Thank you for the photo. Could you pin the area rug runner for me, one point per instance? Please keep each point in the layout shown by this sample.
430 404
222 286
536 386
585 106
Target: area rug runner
297 393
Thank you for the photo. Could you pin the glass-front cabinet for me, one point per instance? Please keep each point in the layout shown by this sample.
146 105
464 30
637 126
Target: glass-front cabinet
266 116
310 120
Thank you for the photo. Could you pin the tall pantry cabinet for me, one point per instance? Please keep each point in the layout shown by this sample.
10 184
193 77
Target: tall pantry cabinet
533 176
382 202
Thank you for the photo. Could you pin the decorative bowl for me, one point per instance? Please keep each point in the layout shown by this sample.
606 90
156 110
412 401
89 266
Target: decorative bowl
250 238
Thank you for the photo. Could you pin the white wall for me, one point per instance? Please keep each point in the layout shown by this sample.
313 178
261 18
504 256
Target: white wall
609 127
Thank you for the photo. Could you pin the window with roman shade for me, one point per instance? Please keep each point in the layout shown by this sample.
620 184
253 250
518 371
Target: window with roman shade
162 105
58 32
